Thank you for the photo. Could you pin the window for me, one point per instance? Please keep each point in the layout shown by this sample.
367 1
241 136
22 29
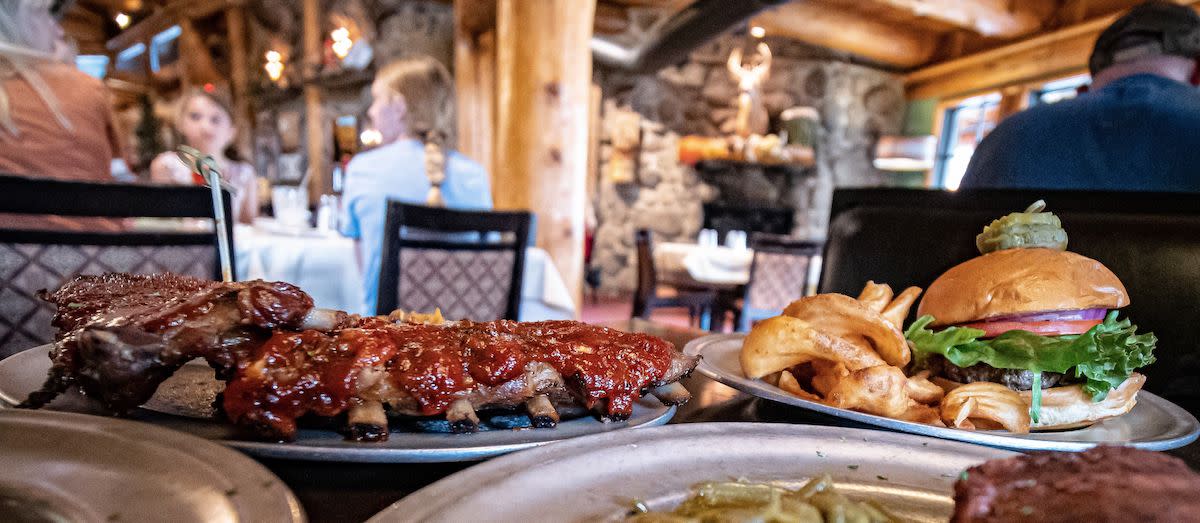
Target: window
1058 90
163 48
93 64
132 59
964 127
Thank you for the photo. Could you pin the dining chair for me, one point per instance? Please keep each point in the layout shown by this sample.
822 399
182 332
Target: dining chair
39 252
469 264
779 274
651 294
1151 241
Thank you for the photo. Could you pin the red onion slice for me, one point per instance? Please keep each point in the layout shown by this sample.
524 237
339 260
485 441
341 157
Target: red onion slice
1075 315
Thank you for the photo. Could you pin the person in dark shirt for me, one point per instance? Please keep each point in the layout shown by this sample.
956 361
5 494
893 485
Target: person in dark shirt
1136 129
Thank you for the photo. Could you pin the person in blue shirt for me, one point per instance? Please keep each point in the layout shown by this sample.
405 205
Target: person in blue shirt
413 110
1136 129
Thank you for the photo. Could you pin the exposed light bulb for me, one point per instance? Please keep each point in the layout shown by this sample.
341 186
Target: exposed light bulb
122 20
371 137
274 65
341 42
758 32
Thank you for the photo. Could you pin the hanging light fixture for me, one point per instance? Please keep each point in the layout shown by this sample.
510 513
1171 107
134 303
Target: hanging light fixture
341 42
274 65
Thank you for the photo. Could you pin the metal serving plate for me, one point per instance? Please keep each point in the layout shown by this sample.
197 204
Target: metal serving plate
184 402
598 478
1153 424
71 467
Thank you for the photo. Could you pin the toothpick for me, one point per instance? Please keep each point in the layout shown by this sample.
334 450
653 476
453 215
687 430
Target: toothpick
206 166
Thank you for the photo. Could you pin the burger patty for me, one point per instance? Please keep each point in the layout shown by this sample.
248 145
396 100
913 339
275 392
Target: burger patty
1104 484
1011 378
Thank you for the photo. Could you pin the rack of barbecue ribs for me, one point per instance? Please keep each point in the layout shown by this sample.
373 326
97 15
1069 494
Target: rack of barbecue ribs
120 336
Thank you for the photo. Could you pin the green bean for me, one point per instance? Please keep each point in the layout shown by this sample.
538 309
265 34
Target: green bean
739 502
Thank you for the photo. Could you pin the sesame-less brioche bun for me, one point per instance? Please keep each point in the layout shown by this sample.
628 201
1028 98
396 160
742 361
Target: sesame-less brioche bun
1021 281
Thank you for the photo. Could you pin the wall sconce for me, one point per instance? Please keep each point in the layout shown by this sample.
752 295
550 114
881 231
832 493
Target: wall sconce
122 20
274 65
341 42
371 137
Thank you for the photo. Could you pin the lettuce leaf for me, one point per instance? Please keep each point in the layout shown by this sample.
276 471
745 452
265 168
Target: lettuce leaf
1105 355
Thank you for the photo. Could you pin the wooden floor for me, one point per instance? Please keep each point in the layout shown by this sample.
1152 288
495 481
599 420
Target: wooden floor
609 309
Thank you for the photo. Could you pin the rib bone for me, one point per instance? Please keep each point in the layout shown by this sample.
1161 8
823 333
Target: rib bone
367 422
541 412
672 394
462 417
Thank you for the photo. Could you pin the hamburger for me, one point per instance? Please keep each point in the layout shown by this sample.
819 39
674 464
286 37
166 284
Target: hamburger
1038 319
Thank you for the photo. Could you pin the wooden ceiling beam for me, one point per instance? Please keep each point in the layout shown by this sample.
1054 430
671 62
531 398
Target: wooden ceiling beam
839 29
988 18
1046 56
164 18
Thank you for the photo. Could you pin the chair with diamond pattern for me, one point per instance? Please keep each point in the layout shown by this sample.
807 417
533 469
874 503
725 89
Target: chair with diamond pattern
469 264
48 235
779 274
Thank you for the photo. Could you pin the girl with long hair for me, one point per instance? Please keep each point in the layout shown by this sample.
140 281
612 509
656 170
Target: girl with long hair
413 109
205 122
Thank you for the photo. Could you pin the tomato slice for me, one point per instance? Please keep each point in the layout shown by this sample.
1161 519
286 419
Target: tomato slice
991 329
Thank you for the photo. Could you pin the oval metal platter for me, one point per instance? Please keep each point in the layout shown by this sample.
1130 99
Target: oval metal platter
184 403
598 478
1153 424
72 467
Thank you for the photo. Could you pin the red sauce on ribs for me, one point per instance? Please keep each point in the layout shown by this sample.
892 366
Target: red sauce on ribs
297 373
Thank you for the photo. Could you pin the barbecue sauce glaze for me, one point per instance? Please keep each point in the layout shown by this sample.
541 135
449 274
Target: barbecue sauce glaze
298 373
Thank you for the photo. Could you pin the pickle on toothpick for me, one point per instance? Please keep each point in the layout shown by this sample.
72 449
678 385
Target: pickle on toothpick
1030 229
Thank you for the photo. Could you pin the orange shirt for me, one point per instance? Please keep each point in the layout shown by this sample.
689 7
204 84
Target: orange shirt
44 148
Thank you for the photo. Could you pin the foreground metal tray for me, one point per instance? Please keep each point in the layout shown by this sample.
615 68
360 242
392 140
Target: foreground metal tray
71 467
598 478
183 403
1153 424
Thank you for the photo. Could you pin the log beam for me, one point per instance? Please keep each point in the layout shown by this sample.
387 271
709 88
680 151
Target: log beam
989 18
543 79
475 79
239 79
319 179
841 29
1051 55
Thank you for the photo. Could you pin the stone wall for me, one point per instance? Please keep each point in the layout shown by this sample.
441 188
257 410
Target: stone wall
857 104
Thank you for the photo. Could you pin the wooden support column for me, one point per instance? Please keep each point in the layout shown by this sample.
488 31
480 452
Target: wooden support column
319 180
239 78
475 80
543 81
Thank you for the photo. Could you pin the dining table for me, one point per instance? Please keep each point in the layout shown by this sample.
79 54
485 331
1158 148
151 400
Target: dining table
352 492
325 264
716 267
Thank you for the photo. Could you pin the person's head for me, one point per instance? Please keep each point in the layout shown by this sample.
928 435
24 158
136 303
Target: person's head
413 98
29 24
1156 37
29 35
205 121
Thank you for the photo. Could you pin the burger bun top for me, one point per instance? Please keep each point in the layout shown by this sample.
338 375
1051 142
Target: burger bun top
1021 281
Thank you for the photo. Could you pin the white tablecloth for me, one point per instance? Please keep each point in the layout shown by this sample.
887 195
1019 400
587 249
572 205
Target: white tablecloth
693 264
696 265
325 266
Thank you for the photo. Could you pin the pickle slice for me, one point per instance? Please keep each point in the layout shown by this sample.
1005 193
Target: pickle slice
1030 229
